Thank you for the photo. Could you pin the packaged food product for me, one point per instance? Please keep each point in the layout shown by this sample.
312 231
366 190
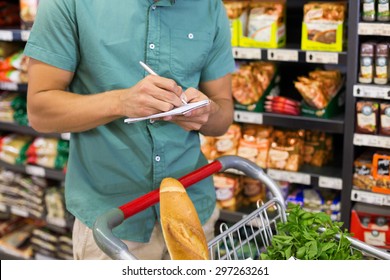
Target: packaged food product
314 148
13 148
207 146
383 12
286 151
227 144
262 16
320 87
228 191
368 10
381 165
381 63
251 80
366 62
384 118
367 117
323 26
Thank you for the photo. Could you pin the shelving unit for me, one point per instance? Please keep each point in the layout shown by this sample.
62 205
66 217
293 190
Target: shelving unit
356 91
61 226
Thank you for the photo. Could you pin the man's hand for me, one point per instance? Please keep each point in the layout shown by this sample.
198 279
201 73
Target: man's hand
150 96
195 119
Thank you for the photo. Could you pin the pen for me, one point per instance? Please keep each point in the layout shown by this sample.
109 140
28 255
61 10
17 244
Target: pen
151 72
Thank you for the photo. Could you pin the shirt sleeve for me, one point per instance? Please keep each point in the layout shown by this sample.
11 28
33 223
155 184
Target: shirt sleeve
220 60
53 38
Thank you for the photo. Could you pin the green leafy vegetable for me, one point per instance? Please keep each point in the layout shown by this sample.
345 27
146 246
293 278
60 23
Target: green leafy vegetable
301 238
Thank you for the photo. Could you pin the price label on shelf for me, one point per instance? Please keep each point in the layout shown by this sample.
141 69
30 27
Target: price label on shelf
6 35
65 136
322 57
367 197
386 200
330 183
292 177
25 34
8 86
382 92
380 29
282 55
248 117
371 140
35 170
247 53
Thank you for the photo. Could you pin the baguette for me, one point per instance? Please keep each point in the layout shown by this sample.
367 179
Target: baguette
181 227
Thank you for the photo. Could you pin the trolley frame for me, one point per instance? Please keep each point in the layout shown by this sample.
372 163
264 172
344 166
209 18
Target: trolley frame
262 226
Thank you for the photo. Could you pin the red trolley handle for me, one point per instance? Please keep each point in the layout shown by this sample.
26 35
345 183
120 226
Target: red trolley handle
143 202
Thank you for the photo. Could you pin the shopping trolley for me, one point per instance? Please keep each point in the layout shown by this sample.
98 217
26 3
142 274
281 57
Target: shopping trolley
245 239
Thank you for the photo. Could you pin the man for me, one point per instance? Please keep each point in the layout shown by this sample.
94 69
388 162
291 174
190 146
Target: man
85 78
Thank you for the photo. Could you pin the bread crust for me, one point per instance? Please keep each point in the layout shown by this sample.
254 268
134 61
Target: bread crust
181 227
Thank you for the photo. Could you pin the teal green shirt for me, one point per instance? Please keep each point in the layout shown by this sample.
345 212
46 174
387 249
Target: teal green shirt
102 42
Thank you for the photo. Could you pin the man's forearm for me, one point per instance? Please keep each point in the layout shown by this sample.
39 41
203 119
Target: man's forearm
221 117
60 111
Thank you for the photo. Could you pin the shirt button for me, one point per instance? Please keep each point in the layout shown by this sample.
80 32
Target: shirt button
157 158
152 46
154 7
151 121
190 36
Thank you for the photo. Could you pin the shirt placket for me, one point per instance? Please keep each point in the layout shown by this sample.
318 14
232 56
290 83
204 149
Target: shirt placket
153 37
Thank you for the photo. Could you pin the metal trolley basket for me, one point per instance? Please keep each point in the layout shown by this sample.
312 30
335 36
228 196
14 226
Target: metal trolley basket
245 239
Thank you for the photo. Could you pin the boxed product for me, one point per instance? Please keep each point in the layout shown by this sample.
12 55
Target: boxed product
265 26
237 14
371 224
252 82
323 26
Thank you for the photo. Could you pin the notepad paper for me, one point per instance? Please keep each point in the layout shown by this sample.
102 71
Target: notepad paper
176 111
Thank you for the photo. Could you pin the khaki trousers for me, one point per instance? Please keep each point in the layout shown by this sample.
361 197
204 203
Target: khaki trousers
85 248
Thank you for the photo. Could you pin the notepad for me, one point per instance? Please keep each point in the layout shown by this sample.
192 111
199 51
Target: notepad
176 111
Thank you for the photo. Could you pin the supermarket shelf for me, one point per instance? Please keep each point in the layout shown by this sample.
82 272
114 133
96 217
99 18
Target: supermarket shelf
35 171
335 125
290 54
328 177
14 127
374 28
372 91
371 140
370 197
14 35
13 86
